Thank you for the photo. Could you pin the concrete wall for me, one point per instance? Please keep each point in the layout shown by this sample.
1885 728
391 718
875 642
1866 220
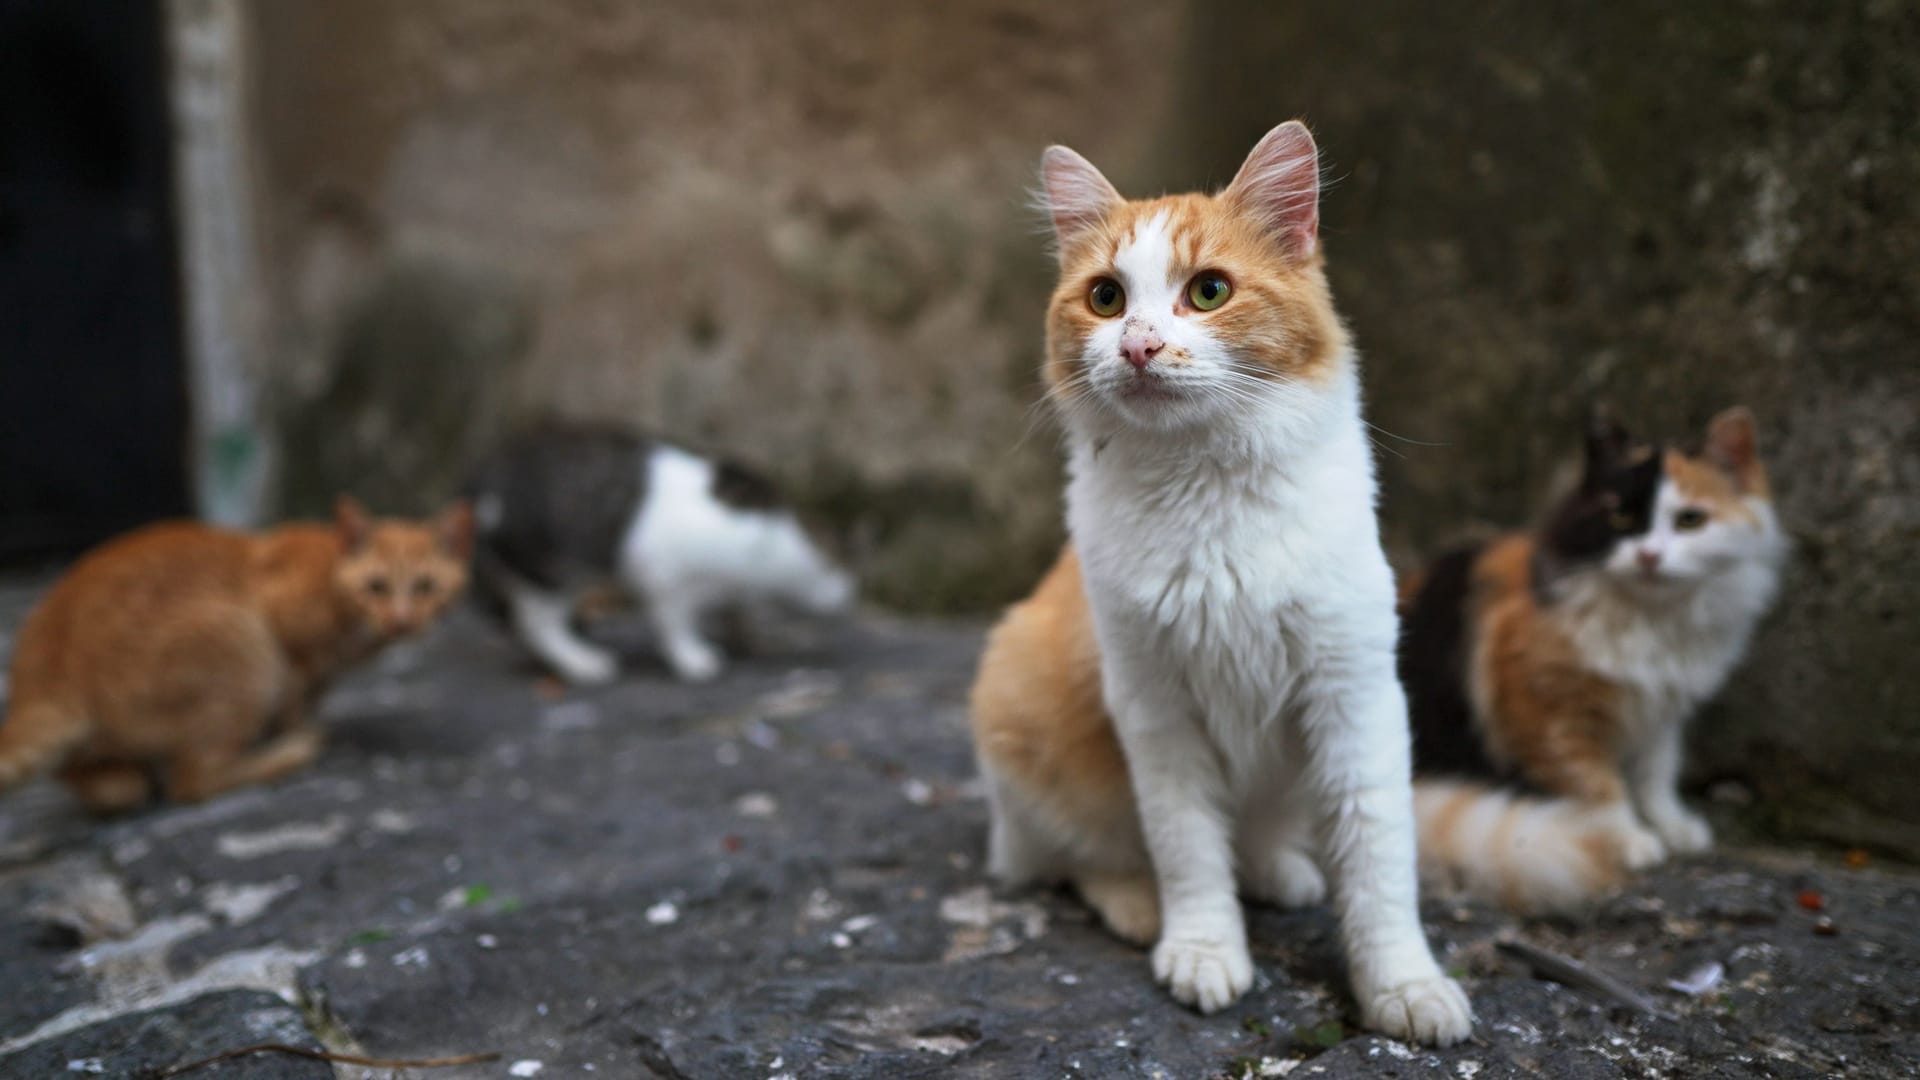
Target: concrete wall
795 232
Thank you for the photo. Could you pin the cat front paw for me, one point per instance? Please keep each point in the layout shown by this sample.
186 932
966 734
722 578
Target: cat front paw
1207 975
1641 847
695 664
1432 1010
589 668
1684 832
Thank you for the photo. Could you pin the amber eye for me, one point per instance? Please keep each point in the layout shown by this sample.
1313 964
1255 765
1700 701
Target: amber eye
379 586
1689 518
1106 298
423 586
1208 291
1620 521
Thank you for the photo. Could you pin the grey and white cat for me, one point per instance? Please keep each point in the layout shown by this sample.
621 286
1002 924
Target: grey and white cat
560 511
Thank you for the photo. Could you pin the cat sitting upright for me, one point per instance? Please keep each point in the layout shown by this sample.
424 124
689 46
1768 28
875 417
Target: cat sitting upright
562 510
1200 697
203 651
1552 674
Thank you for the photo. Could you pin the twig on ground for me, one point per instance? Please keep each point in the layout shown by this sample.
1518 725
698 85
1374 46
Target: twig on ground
328 1056
1570 972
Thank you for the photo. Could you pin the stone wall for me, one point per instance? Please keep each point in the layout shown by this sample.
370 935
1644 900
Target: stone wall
797 233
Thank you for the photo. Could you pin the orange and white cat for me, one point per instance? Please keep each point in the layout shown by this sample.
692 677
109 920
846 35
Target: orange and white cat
1200 698
1552 672
199 653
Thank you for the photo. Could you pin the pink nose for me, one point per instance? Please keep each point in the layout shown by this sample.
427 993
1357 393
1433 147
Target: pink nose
1648 559
1141 348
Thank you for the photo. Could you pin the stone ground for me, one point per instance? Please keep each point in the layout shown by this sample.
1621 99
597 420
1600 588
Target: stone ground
778 875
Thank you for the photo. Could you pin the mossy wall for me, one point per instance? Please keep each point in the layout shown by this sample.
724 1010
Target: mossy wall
1668 207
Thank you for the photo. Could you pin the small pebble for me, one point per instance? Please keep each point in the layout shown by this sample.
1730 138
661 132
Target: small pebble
663 913
1824 926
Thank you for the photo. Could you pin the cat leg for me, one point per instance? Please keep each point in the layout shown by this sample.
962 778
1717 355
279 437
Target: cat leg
675 613
1202 955
1358 759
1654 779
1128 903
109 787
1276 854
544 621
202 772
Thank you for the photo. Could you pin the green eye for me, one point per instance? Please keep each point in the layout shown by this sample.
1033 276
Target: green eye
1208 291
1107 298
1690 518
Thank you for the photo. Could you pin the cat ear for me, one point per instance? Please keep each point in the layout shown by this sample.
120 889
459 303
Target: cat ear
1078 197
1733 443
455 529
350 518
1607 443
1279 186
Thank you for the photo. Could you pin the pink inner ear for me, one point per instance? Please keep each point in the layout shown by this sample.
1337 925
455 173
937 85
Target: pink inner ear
1732 441
1078 195
1280 185
350 518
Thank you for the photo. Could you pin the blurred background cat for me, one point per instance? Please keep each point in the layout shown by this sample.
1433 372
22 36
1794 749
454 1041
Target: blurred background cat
199 653
1551 674
561 511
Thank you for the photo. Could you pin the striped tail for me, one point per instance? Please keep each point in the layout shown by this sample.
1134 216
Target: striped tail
1529 855
34 738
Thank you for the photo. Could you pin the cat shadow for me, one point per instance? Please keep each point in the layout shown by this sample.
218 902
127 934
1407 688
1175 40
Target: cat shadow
407 732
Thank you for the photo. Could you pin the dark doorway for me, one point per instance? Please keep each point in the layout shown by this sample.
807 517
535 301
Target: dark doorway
93 408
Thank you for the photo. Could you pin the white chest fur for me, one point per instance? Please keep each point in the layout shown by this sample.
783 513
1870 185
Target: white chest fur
1671 653
1246 566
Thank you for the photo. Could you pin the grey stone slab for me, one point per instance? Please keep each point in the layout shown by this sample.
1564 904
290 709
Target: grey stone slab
140 1044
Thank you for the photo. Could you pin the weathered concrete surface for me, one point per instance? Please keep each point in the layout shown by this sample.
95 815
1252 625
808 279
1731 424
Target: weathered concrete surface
140 1044
779 875
1671 207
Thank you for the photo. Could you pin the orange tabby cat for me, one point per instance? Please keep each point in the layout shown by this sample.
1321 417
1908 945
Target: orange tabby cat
179 647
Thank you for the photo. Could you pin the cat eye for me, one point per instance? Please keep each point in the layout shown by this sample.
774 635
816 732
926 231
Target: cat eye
1208 291
1620 521
1106 298
423 587
378 586
1689 518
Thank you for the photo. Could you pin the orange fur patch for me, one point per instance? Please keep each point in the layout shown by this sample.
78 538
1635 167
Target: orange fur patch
1039 718
1543 712
1708 486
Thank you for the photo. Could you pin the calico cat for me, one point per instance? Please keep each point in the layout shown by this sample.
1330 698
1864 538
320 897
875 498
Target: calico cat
565 510
201 652
1552 674
1200 697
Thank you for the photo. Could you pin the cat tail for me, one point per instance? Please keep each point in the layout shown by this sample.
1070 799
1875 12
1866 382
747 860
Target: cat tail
1529 855
35 737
